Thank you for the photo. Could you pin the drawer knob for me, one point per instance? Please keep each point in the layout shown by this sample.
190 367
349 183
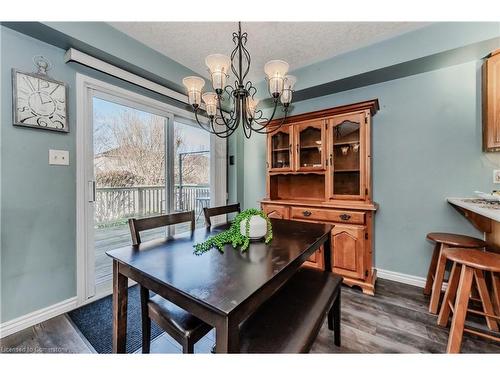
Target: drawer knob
306 213
345 216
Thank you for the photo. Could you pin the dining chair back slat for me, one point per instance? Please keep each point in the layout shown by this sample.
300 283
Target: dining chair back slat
220 210
139 225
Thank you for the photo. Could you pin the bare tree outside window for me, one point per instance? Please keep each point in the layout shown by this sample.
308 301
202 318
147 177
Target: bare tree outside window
130 153
130 166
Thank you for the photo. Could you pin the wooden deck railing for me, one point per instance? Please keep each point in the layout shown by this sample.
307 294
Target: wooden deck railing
116 203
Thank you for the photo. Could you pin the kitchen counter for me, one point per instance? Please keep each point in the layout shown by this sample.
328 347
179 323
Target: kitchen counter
490 211
483 215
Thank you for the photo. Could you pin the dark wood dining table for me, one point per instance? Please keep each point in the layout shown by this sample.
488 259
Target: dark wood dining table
222 289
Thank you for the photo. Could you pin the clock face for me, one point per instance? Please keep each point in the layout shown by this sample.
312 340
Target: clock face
39 102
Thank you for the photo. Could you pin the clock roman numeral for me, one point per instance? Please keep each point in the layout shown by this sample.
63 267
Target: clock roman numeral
55 88
27 80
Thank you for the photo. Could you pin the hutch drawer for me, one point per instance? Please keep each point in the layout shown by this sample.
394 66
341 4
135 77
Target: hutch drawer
275 211
319 214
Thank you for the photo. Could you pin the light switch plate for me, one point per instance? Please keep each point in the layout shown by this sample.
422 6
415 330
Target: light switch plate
496 176
58 157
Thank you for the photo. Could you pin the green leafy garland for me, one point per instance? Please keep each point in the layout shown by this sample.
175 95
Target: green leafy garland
233 234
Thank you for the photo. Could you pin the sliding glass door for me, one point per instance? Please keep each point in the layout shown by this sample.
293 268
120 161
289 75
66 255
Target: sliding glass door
130 153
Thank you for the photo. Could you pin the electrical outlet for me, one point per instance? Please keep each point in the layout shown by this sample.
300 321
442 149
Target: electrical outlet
58 157
496 176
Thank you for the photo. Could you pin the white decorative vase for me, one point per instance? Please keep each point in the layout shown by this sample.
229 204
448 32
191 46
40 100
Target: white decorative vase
258 227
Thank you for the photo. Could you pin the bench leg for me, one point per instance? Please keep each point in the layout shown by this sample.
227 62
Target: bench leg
330 318
188 347
334 320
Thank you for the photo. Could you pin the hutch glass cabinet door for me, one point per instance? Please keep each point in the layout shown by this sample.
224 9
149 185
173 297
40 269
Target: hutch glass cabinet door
347 157
310 146
280 150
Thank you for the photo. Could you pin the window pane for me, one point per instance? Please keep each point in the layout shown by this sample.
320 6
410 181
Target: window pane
191 171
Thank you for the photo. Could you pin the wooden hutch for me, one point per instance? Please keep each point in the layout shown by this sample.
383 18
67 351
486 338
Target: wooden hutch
319 169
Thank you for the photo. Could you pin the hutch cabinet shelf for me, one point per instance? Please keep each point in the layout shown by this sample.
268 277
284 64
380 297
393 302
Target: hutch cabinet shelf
319 170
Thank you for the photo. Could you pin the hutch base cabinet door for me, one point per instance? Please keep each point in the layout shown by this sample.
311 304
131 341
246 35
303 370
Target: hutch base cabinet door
323 175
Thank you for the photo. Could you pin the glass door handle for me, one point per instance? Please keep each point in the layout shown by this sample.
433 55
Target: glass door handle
331 159
92 191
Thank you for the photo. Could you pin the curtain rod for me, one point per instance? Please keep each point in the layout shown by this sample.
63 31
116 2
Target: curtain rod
74 55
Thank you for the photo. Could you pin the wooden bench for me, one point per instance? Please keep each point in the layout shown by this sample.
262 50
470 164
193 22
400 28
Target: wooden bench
290 321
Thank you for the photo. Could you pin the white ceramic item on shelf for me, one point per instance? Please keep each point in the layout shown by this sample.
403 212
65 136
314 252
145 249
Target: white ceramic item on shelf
487 197
258 227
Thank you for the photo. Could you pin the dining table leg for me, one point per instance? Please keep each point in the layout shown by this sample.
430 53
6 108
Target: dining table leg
327 254
120 296
227 336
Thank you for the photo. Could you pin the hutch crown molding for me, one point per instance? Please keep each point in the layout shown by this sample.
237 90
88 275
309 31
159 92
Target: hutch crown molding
319 169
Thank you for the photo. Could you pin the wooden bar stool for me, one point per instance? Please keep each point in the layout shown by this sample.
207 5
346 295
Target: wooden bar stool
470 266
435 275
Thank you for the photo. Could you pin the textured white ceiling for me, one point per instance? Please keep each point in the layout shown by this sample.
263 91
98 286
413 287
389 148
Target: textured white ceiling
298 43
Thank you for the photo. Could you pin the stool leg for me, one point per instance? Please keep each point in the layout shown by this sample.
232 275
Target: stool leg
495 286
438 282
485 299
432 269
449 296
461 303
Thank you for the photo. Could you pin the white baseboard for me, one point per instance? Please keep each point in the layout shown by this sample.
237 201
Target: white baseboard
404 278
401 277
28 320
39 316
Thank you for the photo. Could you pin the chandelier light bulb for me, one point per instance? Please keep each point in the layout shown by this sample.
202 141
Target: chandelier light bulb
210 100
289 84
218 66
252 106
276 71
194 85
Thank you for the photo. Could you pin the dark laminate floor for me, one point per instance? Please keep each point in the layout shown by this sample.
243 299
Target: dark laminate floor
394 321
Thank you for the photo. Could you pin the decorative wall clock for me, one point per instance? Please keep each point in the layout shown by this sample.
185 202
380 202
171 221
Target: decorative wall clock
38 100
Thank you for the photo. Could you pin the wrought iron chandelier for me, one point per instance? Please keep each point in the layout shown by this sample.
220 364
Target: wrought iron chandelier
241 97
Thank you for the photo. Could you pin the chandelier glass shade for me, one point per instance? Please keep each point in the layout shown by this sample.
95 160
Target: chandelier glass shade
230 105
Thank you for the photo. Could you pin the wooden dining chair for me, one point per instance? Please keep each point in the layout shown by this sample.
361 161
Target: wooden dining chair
184 327
220 210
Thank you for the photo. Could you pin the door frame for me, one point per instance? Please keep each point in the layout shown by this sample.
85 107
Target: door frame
85 88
